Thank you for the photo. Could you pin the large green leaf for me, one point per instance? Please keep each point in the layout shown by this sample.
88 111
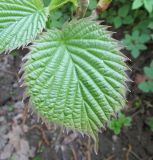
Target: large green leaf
76 76
20 22
58 3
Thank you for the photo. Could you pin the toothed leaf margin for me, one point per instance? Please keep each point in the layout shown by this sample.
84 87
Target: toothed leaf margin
76 76
20 22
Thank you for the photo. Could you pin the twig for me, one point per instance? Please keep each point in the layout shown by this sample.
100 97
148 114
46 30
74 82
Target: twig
128 152
89 149
42 133
136 113
135 155
74 152
110 157
25 112
26 109
9 72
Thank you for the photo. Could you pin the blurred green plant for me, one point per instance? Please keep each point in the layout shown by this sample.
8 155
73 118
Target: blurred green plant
136 20
37 158
148 4
136 42
117 124
120 17
148 85
150 123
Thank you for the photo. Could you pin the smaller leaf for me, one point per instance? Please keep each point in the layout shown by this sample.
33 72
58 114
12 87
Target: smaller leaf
117 22
146 86
135 52
148 4
144 38
127 121
123 11
150 25
149 70
116 124
137 4
150 123
128 20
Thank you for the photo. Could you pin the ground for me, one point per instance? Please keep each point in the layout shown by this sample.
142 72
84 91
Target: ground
27 139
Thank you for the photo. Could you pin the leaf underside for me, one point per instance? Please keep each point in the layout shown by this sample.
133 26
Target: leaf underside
76 76
20 22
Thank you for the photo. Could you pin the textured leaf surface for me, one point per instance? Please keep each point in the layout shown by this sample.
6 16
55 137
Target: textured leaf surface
20 21
76 77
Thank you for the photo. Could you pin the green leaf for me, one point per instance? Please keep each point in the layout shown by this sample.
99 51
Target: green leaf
127 121
150 25
136 42
137 4
144 37
135 52
116 124
150 123
146 86
148 4
58 3
117 22
123 11
76 76
149 70
20 22
128 20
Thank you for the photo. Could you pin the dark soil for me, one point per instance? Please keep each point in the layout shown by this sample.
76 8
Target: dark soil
134 142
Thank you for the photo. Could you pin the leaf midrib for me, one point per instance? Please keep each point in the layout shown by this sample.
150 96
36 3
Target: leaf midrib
79 84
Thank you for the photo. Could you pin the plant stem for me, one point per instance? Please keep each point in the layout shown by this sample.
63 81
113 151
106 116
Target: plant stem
83 8
101 7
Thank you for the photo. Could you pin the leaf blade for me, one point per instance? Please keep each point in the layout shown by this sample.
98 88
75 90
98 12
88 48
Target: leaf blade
20 22
76 77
